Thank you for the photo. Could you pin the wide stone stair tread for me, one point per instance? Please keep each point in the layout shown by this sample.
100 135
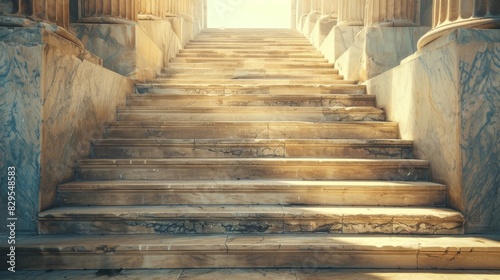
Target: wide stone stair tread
250 113
253 192
258 251
253 168
254 64
286 148
319 78
178 100
242 88
215 219
246 70
250 82
252 130
242 54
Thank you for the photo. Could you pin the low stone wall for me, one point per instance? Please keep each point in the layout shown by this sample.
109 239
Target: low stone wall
52 103
446 98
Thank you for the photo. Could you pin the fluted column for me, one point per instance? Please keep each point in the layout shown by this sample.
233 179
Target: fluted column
315 5
45 13
330 7
108 11
392 12
152 9
306 6
351 12
453 14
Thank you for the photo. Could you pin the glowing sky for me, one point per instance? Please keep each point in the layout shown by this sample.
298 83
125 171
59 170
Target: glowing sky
249 13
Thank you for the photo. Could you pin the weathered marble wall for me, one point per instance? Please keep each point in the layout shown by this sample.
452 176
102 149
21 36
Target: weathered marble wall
53 103
21 128
164 37
338 41
446 98
138 51
323 27
377 49
124 48
310 22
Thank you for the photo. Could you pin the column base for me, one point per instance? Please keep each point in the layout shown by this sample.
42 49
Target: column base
377 49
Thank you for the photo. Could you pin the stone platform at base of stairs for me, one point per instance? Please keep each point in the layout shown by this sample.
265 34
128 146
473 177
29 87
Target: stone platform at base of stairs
43 252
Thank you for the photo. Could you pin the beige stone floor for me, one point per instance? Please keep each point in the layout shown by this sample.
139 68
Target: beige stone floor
251 274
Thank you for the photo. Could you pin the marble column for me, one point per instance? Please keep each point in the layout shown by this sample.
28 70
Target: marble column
51 15
453 14
330 7
398 13
152 9
315 6
351 12
108 11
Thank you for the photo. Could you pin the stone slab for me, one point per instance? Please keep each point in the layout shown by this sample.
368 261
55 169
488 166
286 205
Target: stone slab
253 168
253 130
226 251
262 192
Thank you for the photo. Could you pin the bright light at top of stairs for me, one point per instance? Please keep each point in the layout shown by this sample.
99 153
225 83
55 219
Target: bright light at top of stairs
249 14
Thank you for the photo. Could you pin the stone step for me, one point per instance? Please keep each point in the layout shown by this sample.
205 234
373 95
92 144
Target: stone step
262 64
223 219
236 71
319 100
333 80
250 148
204 89
253 169
265 37
308 60
252 130
255 78
214 44
250 41
250 113
191 53
262 47
255 192
306 251
256 31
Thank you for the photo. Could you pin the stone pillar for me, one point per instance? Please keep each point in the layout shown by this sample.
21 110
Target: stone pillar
152 9
51 15
315 6
351 12
397 13
108 11
330 8
453 14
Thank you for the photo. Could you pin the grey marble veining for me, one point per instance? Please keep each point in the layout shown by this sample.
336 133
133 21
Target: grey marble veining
51 101
446 98
480 138
21 115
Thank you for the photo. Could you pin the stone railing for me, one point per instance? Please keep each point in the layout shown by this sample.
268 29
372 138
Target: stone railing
351 12
49 14
392 13
453 14
108 11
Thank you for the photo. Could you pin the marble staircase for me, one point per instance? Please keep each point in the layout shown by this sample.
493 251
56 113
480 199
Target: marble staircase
251 151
